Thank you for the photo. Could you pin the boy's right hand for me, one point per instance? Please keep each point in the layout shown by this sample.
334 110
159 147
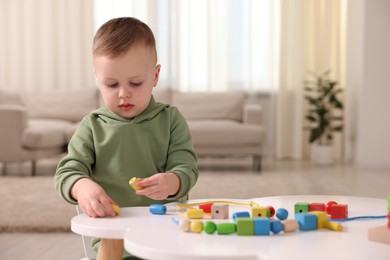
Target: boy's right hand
92 198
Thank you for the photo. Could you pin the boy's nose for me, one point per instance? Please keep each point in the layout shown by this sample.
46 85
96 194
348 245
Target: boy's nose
124 93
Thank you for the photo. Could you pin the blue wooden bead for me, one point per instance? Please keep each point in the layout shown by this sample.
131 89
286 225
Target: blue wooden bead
282 214
158 209
276 226
242 214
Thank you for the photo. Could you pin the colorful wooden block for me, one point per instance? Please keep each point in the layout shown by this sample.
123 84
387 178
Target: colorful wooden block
322 218
290 225
282 214
316 206
220 211
194 213
206 207
261 226
338 211
276 226
226 228
258 212
379 234
241 214
245 226
306 221
301 207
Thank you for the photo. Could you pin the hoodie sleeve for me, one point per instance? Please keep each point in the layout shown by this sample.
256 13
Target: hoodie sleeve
77 163
182 159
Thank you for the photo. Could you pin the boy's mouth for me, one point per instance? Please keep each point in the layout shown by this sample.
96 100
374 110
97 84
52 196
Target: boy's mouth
126 106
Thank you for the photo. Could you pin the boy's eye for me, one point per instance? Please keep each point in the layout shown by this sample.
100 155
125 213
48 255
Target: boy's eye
135 84
112 85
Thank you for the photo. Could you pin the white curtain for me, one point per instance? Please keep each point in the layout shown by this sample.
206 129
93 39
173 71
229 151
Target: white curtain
313 37
208 45
45 44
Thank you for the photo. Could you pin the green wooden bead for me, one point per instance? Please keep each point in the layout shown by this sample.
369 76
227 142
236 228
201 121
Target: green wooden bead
226 228
209 227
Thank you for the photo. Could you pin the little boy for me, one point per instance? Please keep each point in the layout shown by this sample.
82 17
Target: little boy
133 136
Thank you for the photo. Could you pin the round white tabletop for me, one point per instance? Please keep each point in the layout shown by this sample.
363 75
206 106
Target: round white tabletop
158 237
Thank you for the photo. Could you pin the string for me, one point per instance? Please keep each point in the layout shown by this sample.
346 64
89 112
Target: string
358 217
251 204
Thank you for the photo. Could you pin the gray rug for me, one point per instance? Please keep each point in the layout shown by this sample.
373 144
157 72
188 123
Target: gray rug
30 204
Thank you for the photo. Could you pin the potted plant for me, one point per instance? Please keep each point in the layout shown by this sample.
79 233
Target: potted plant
324 115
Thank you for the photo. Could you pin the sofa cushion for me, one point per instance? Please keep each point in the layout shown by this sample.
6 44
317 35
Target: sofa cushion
44 133
215 105
224 133
9 98
69 105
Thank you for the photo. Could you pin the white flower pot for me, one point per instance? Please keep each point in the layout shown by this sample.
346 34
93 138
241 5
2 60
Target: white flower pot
322 155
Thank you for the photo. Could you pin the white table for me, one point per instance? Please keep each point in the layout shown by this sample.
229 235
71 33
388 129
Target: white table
158 237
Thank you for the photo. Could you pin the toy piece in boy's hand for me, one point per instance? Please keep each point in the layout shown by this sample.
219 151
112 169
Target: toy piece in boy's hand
116 209
133 183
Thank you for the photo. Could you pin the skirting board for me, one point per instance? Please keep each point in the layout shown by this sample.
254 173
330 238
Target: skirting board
379 234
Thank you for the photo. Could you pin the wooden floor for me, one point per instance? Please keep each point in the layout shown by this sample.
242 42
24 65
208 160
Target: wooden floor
68 246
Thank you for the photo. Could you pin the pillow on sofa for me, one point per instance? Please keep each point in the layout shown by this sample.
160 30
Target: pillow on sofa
210 105
71 105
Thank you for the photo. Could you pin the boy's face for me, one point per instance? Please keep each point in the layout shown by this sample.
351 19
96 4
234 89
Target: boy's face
126 82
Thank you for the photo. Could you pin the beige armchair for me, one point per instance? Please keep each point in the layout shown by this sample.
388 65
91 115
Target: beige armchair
17 134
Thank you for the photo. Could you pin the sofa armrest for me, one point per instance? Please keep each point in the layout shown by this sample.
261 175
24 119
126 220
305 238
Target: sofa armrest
253 114
13 120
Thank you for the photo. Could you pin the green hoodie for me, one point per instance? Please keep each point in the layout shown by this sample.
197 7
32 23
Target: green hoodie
111 150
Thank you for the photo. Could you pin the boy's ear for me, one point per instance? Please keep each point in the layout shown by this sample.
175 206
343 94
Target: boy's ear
156 74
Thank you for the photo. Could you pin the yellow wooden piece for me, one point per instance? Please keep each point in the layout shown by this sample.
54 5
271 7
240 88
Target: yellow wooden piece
322 218
334 226
116 209
258 212
133 183
194 213
196 226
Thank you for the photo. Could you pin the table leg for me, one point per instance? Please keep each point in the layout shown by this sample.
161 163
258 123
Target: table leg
110 249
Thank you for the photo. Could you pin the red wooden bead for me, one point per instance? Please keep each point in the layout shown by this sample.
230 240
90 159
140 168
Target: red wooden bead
271 211
328 204
388 216
206 207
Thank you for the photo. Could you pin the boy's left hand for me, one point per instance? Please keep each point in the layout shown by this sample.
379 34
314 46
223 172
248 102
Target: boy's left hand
159 186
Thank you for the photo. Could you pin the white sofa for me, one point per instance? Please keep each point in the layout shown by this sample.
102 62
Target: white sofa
38 125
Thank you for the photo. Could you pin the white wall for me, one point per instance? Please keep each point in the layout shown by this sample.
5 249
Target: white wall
368 74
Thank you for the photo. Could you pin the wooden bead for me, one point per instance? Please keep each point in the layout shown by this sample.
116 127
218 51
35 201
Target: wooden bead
116 209
196 226
220 211
206 207
194 213
158 209
241 214
271 211
328 205
290 225
184 225
133 183
276 226
282 214
226 228
209 227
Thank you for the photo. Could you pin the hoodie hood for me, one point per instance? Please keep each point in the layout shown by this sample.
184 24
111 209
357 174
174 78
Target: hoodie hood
149 113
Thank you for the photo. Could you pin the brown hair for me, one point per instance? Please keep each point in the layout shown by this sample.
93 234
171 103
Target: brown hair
117 35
